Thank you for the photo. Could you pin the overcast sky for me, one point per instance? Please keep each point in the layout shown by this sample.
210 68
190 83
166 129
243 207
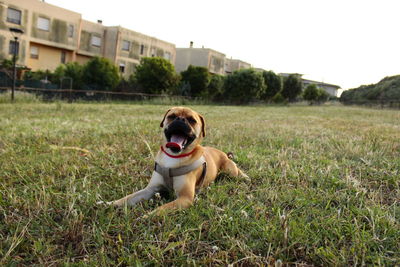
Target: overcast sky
344 42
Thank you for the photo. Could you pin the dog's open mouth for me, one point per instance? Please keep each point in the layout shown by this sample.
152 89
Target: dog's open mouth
178 139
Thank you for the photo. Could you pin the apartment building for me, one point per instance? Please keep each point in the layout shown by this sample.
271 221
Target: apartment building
232 65
53 35
126 47
213 60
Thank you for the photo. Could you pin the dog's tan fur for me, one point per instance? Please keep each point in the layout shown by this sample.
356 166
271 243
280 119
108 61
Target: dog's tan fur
185 185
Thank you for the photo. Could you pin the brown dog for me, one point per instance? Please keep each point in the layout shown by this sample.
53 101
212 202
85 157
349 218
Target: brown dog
182 164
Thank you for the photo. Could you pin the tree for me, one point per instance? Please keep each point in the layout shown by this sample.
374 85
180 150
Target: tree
215 87
71 70
323 96
198 78
273 84
100 74
292 87
156 75
314 94
311 93
243 86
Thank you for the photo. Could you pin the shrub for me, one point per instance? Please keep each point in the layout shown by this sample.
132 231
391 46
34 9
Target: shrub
100 74
198 78
292 87
71 70
278 99
314 94
215 88
244 86
311 93
386 91
156 75
273 84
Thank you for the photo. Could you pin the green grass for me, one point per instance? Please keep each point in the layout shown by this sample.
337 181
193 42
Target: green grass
324 187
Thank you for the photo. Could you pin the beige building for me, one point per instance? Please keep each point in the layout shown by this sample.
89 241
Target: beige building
232 65
53 35
213 60
126 47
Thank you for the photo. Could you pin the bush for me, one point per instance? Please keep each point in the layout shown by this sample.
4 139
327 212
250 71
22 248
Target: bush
39 75
72 70
100 74
198 78
156 76
314 94
244 86
215 88
7 64
292 87
273 84
387 91
278 99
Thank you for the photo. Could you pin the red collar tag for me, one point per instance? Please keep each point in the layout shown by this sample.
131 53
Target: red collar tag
178 156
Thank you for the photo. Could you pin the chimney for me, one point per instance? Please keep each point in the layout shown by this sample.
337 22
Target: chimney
191 44
99 21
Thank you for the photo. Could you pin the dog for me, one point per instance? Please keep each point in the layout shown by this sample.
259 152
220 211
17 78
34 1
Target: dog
182 165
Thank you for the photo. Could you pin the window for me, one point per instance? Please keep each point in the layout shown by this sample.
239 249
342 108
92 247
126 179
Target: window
167 55
126 45
13 48
141 49
122 67
34 52
63 57
153 52
14 16
43 24
96 41
70 31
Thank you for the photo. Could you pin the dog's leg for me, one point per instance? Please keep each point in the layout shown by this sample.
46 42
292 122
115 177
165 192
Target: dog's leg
184 187
230 167
155 184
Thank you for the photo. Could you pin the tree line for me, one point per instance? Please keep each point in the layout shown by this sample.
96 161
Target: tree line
385 92
156 75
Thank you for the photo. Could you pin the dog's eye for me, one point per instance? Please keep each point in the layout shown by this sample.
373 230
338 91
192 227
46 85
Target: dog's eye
172 117
191 120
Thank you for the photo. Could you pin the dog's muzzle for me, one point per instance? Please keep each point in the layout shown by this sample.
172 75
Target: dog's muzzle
179 135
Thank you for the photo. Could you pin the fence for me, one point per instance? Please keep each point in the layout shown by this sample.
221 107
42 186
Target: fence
73 95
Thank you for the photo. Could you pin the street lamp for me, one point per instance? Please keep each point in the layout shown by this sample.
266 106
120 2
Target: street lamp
15 33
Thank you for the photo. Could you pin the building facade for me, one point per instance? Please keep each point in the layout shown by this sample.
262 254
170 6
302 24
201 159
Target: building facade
232 65
213 60
53 36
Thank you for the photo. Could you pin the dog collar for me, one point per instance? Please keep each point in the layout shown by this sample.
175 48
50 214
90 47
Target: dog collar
178 156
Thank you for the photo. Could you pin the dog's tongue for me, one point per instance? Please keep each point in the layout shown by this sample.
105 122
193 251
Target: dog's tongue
177 142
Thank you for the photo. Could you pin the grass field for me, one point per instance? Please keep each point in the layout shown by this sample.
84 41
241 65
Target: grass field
324 189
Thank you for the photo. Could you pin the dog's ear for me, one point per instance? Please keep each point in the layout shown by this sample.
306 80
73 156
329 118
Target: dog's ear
165 115
203 126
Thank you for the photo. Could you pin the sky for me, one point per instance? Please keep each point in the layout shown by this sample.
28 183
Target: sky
343 42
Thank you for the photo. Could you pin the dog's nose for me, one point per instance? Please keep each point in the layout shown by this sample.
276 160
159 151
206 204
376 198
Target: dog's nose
180 119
